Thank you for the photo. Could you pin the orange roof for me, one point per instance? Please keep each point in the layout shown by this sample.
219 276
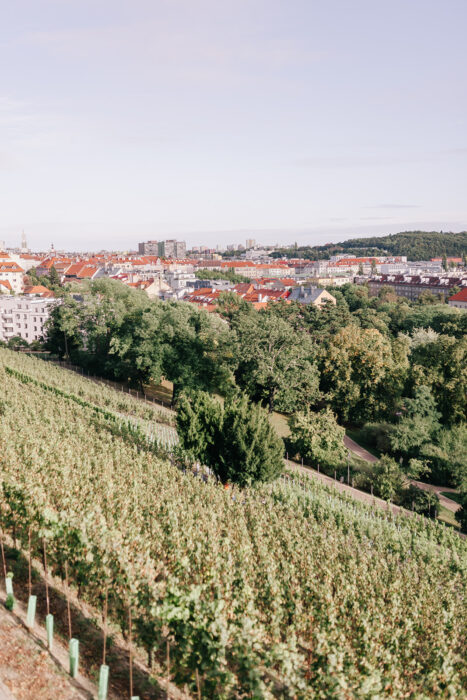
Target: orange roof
5 283
39 289
460 296
7 266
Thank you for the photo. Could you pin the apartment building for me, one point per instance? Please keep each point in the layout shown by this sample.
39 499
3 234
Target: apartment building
24 316
411 286
12 273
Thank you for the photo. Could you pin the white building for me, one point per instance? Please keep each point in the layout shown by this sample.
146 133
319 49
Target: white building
11 272
24 316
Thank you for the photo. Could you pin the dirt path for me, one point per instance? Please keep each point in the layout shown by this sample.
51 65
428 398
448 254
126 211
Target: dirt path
358 450
444 500
368 457
341 487
28 671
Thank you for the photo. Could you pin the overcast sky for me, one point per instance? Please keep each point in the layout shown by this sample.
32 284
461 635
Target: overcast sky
217 120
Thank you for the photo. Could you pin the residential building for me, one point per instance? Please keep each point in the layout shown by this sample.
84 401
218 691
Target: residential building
11 272
178 279
149 248
459 300
411 286
250 243
311 295
172 249
24 316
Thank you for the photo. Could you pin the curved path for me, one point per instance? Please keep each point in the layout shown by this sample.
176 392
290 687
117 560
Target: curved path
360 452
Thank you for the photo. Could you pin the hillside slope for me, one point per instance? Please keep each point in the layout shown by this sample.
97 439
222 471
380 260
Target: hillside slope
416 245
275 592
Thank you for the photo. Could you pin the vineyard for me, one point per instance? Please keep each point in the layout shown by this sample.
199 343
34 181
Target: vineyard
280 591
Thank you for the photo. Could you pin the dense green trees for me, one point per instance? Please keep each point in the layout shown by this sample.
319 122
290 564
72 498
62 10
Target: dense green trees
362 373
397 367
318 438
236 441
416 245
224 274
276 363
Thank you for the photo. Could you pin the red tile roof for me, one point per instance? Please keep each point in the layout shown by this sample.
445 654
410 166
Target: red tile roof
460 296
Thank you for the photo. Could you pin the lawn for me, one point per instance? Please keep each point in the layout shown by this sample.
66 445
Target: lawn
453 496
447 516
356 435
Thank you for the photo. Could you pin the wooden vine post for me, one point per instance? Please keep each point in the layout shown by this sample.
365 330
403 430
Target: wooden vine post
130 642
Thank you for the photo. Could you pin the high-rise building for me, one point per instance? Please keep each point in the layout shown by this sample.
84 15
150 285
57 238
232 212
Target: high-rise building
172 249
148 248
250 243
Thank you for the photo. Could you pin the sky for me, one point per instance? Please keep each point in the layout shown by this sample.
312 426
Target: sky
219 120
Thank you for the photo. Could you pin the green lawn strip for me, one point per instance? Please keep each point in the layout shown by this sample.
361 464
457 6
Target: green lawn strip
452 496
356 435
447 516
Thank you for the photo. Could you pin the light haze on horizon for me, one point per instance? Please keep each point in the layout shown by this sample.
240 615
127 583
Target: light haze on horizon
214 121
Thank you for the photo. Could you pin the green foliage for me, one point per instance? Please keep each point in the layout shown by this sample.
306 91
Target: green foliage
387 478
244 587
251 451
17 342
422 502
363 373
318 438
10 602
416 245
199 425
276 363
461 514
237 442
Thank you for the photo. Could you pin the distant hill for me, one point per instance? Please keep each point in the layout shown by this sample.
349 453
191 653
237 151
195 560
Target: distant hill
416 245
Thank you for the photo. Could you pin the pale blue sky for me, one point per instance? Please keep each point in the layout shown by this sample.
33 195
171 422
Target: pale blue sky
214 120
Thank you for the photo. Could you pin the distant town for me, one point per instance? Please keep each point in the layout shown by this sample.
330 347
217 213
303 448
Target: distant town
167 271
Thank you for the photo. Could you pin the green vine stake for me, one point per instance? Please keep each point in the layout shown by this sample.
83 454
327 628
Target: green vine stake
31 614
49 626
103 682
74 657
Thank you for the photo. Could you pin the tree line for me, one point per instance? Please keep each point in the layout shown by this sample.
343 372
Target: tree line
393 369
416 245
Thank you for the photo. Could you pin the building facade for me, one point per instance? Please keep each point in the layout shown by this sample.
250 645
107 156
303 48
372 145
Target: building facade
149 248
24 316
11 272
172 249
411 286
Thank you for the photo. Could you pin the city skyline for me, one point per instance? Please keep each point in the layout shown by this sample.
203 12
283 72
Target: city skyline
284 122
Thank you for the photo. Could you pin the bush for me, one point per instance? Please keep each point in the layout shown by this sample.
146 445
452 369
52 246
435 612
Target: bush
386 478
423 502
10 602
237 442
318 438
461 515
377 435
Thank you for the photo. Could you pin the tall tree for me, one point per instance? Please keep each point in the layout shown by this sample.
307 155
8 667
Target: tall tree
318 438
363 373
251 450
277 364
